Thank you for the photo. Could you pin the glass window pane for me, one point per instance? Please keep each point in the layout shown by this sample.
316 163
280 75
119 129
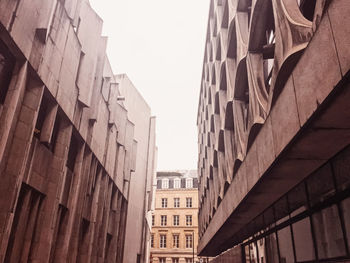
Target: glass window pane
341 165
247 255
285 245
303 242
297 200
328 233
261 250
346 211
253 253
320 185
271 248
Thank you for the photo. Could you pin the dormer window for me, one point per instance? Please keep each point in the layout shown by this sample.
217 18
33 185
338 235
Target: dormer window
177 183
189 183
165 183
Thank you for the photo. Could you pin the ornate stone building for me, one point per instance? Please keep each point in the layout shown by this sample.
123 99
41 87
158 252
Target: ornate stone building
274 134
71 147
174 235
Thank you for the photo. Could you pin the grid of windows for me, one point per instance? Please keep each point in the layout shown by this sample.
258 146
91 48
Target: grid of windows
189 241
189 183
163 220
176 202
176 241
176 219
188 202
164 202
152 240
188 220
162 241
310 223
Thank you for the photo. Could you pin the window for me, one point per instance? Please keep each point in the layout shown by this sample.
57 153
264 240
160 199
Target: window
152 240
176 219
285 245
165 183
162 241
152 220
7 63
271 248
189 183
163 220
162 260
176 202
189 202
164 202
345 205
328 233
175 260
304 246
188 220
177 183
188 241
189 260
176 241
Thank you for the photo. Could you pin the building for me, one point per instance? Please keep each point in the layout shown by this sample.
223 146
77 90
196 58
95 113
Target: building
140 198
273 123
174 236
70 142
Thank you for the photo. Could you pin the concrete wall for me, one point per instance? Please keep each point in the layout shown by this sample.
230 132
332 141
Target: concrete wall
67 145
140 114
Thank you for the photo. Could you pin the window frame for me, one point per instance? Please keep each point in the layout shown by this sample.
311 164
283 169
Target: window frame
163 220
189 202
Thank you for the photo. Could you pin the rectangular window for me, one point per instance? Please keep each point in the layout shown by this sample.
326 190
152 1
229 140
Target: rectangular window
153 220
176 241
188 220
165 183
304 246
7 63
285 245
177 183
189 241
271 248
189 260
189 202
253 253
164 202
345 205
163 220
328 233
152 240
176 219
176 202
162 241
189 183
175 260
162 260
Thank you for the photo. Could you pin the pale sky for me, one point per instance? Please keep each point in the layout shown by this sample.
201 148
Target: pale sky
159 44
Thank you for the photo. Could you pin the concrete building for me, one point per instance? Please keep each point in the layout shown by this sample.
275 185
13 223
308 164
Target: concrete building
273 122
71 148
140 198
174 235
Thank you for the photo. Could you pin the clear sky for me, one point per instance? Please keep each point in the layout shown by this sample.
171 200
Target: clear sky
159 44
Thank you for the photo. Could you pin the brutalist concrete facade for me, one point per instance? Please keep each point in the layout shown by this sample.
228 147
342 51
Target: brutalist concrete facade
274 134
68 145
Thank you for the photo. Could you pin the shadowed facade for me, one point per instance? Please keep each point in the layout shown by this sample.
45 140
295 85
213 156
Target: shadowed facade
273 125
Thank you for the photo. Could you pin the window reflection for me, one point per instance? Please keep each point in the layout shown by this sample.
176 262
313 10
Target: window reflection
271 248
345 205
285 245
261 250
247 254
328 233
281 210
304 247
253 253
